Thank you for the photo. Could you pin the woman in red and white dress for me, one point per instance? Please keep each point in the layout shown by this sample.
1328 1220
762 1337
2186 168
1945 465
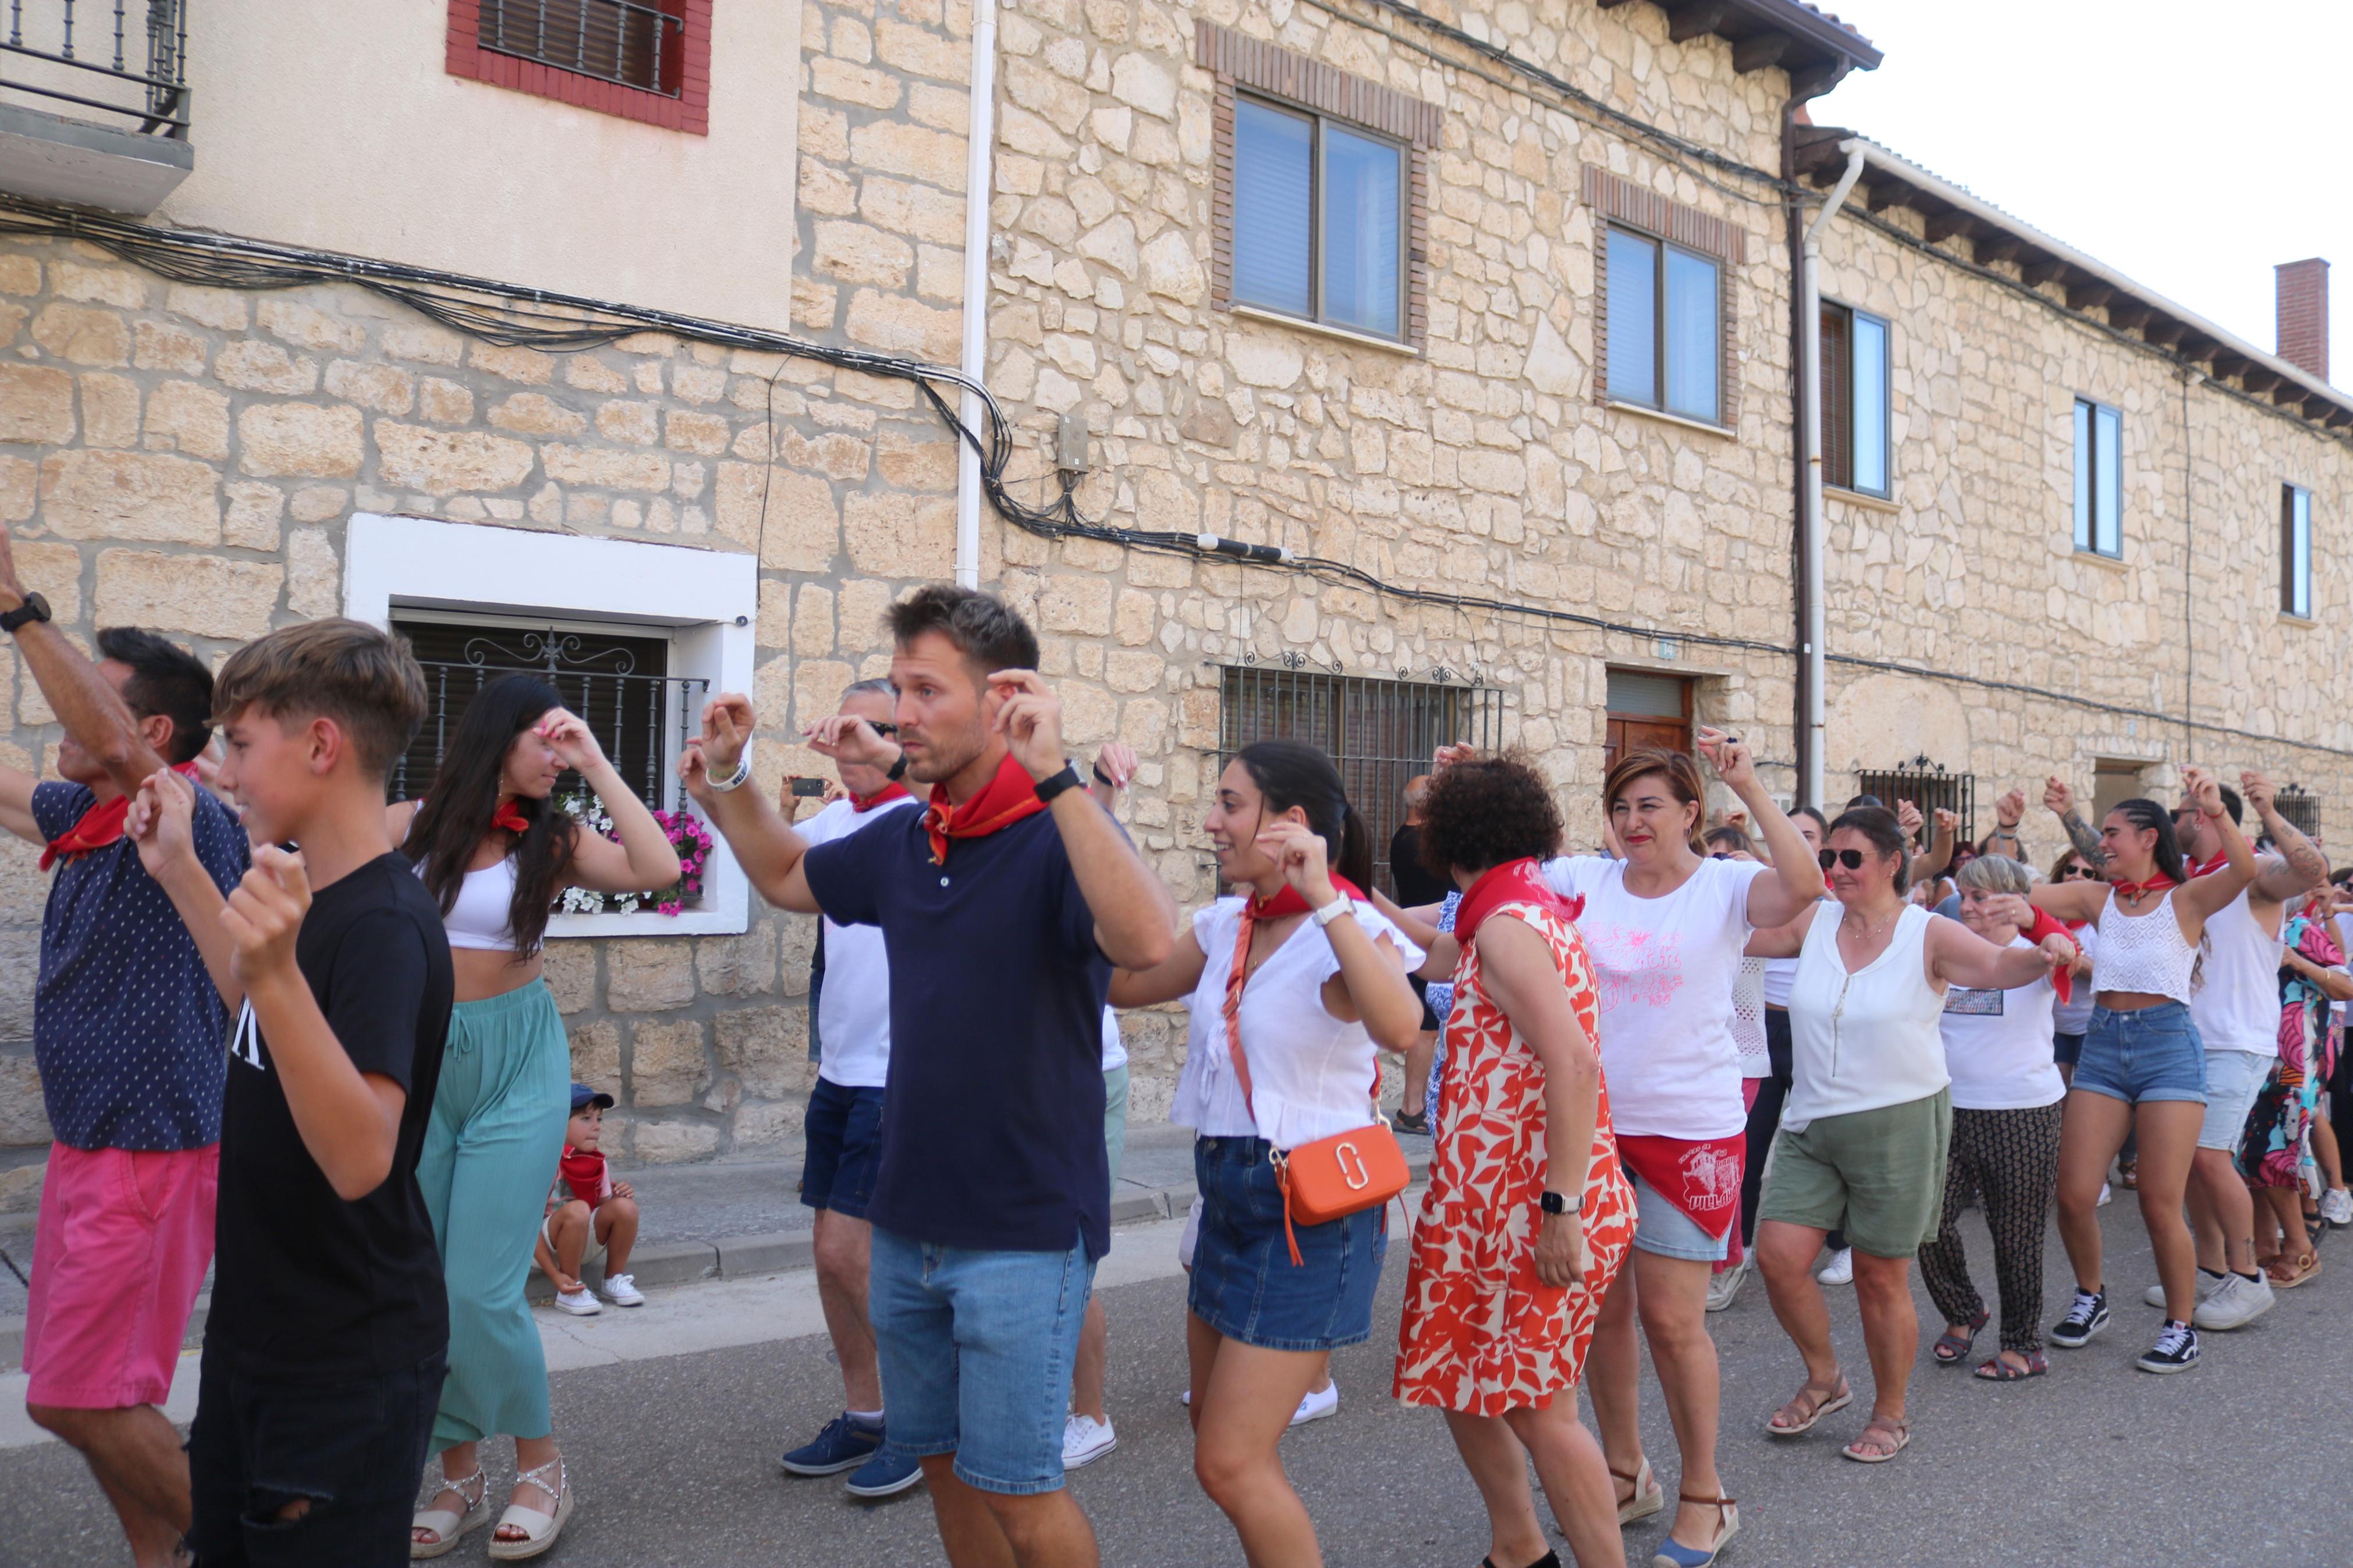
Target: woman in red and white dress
1515 1251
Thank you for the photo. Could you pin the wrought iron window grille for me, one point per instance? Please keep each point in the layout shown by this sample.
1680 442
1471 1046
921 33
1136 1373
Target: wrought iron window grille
145 59
1928 787
2300 806
620 41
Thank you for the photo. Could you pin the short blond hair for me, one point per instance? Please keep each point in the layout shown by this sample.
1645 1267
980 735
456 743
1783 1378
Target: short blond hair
366 680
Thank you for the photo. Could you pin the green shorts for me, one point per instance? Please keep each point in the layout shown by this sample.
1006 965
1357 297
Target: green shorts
1114 1123
1880 1173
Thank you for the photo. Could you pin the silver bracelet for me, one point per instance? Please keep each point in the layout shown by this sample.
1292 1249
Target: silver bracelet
740 777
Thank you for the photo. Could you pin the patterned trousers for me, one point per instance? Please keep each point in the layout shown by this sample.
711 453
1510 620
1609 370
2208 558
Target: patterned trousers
2010 1159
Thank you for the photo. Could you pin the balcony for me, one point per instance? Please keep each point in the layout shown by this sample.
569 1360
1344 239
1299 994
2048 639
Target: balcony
94 101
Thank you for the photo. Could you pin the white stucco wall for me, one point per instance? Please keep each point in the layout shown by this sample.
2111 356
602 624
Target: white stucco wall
337 126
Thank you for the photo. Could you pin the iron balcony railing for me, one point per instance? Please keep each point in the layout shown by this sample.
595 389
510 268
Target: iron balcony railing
126 58
620 41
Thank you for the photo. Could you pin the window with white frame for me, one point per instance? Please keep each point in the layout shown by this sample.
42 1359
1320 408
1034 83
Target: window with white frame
634 636
1666 326
1319 218
2295 551
2099 478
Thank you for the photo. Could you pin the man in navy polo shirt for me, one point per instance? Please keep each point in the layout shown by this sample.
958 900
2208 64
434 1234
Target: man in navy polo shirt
130 1039
1003 907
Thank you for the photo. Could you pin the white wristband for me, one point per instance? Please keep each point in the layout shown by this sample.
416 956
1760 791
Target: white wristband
740 777
1343 905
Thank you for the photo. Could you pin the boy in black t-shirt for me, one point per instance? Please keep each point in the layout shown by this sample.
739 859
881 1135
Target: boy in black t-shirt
323 1353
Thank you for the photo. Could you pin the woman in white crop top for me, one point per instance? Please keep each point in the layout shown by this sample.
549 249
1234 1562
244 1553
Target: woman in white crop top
1868 1120
2143 1065
495 851
1323 987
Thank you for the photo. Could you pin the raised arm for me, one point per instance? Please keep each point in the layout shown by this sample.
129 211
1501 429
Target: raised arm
2204 896
644 859
1173 978
1136 919
1517 966
2061 800
1370 987
1796 876
1959 956
85 702
2301 865
763 843
1779 941
16 804
2072 900
1934 860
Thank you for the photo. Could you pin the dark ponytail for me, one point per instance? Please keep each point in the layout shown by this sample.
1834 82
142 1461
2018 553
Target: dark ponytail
1292 772
2147 814
1878 824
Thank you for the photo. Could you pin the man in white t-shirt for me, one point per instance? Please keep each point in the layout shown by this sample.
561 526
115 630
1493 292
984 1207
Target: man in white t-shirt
844 1128
2237 1011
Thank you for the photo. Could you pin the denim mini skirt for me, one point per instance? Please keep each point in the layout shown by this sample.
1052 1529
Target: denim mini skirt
1244 1284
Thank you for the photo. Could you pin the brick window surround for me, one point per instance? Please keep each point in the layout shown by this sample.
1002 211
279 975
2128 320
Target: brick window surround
1237 59
1620 202
690 112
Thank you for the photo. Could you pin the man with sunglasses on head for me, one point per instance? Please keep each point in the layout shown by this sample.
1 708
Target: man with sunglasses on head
844 1126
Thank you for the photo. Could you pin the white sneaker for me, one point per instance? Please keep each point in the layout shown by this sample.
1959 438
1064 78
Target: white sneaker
2336 1207
1722 1287
2236 1303
1319 1403
2107 1195
580 1303
1085 1441
621 1289
2207 1285
1839 1269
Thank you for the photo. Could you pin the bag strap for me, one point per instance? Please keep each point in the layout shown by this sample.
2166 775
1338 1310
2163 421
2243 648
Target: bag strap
1236 978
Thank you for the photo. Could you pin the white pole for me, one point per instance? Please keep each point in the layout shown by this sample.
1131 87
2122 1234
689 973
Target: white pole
1811 773
980 139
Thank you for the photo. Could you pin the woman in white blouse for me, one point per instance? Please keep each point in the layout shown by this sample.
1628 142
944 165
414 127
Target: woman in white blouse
1303 973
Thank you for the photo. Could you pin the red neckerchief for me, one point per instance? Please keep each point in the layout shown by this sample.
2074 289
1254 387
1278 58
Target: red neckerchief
1513 882
2208 868
96 828
1701 1176
1289 901
584 1172
888 793
2158 882
1009 797
510 817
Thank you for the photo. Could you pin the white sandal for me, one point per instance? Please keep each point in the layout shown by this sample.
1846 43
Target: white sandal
540 1530
449 1528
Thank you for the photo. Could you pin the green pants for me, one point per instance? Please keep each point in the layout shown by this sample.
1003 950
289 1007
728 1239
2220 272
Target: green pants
489 1157
1880 1172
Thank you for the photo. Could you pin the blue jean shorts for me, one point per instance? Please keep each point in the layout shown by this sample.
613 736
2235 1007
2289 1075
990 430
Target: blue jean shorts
845 1148
1663 1228
2233 1078
1244 1284
2150 1053
977 1349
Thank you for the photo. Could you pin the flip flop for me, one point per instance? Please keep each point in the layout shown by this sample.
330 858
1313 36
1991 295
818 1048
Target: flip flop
1999 1371
1952 1349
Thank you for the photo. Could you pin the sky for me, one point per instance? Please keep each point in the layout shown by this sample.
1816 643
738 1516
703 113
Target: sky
2190 144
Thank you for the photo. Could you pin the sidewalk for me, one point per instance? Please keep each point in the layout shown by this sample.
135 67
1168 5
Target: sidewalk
738 1220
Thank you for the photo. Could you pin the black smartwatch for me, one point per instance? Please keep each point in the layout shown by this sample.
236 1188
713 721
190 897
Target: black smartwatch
1055 783
34 608
1553 1202
898 769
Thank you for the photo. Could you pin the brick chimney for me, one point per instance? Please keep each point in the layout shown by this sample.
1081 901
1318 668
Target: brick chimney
2303 314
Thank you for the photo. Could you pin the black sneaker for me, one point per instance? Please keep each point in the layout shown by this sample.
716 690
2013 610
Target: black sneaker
2086 1318
2175 1350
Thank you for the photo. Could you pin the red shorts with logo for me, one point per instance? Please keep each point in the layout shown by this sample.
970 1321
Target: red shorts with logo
124 1238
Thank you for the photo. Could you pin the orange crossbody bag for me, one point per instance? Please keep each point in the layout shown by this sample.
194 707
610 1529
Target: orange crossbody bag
1345 1173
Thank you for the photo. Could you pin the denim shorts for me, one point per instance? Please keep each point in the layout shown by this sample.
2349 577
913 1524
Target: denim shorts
845 1148
2150 1053
2067 1049
1244 1284
977 1349
2233 1078
1663 1228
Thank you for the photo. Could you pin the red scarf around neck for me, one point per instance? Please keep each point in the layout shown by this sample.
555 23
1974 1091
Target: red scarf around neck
98 826
510 817
883 796
1009 797
1291 901
1513 882
2158 882
2208 868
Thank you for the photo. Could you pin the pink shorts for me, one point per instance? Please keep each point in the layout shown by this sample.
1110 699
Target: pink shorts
124 1238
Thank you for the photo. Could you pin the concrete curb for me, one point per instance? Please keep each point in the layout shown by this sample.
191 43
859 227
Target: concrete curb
729 1258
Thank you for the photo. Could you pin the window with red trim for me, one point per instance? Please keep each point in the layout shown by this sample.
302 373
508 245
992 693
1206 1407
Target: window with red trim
641 60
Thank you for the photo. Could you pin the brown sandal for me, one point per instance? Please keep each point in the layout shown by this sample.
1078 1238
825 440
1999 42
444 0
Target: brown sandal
2286 1273
1899 1424
1646 1496
1824 1402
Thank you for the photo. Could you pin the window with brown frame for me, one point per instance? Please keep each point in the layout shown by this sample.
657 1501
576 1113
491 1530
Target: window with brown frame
2295 552
1645 709
1854 400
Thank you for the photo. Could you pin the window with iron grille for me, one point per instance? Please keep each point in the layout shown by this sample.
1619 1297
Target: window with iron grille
1928 787
1379 734
2300 807
625 41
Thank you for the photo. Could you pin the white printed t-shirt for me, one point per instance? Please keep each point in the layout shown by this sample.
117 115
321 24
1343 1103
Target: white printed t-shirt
854 1009
1665 969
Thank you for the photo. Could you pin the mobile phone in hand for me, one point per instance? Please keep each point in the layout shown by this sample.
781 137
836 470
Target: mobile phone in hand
810 787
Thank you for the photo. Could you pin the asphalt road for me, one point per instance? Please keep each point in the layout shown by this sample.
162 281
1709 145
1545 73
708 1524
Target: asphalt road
2241 1462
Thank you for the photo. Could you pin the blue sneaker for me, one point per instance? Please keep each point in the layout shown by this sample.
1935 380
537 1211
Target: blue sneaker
887 1474
844 1444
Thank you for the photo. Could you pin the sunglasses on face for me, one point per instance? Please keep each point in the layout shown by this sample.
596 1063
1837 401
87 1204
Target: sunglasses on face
885 731
1850 858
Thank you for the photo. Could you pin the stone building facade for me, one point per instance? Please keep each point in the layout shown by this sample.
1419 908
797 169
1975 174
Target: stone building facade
213 462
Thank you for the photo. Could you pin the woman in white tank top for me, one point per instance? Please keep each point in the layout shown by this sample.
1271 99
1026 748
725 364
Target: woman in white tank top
2143 1067
1870 1115
495 851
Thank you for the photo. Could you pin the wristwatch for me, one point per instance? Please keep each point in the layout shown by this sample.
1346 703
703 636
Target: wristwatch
1553 1202
1343 905
34 608
1053 785
898 769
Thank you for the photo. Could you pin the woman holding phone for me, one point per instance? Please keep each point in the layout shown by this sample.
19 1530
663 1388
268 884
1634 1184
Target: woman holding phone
1293 986
496 851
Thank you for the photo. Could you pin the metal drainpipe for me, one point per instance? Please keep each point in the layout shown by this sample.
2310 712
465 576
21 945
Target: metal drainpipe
980 141
1810 770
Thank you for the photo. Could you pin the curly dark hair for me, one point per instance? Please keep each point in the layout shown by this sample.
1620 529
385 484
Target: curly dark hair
1483 813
